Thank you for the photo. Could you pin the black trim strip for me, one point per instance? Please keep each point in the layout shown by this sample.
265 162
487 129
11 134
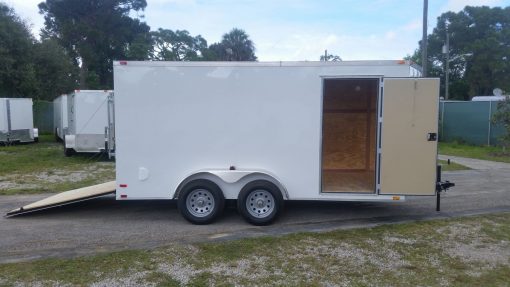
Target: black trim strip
379 170
21 210
381 103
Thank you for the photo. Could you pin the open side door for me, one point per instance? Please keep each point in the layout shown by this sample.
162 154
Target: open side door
408 147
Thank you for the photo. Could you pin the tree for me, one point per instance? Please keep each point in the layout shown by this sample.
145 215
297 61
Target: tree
479 50
96 32
502 116
55 72
330 58
17 72
177 46
234 46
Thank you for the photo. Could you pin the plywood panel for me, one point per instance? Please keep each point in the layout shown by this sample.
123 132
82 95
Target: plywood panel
344 141
349 135
408 159
348 94
337 181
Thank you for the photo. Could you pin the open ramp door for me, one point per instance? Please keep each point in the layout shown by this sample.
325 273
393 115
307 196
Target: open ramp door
67 197
409 136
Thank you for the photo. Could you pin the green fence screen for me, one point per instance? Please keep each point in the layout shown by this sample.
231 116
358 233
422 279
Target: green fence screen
469 122
43 116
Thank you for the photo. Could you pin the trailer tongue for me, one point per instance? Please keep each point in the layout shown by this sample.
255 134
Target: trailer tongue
67 197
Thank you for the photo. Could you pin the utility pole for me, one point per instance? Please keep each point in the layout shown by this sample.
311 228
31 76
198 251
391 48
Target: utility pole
446 51
424 39
325 55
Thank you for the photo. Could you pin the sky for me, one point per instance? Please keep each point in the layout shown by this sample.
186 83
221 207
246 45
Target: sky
296 30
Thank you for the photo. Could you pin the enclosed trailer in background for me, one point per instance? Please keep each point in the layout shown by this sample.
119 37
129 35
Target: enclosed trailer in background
87 112
60 119
17 121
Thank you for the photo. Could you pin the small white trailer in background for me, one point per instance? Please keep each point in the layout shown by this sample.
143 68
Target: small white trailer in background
17 121
264 133
87 113
60 120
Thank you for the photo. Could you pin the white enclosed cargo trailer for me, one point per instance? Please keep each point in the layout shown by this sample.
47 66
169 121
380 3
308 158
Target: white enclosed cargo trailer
87 113
60 120
263 133
17 121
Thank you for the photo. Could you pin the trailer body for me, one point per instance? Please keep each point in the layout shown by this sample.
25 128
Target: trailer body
355 131
263 133
60 119
17 120
87 112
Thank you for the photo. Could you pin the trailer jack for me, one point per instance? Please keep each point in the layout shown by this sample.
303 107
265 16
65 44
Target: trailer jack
441 186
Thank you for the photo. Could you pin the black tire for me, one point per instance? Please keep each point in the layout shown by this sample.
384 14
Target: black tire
258 192
210 195
69 152
57 139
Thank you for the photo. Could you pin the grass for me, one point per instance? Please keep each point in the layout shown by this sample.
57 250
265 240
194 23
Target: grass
42 167
452 166
471 251
470 151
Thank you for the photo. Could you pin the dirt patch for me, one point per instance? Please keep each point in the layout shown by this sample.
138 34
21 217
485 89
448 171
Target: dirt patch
468 243
55 176
135 279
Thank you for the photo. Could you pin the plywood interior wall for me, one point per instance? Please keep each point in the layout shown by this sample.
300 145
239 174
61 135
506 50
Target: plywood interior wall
349 135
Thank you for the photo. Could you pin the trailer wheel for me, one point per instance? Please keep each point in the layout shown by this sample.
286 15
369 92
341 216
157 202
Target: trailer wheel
69 151
201 201
260 202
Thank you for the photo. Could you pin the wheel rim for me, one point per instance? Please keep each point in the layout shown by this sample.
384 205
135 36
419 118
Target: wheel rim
260 203
200 202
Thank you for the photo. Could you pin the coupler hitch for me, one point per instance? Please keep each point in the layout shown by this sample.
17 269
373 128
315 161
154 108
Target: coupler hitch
441 186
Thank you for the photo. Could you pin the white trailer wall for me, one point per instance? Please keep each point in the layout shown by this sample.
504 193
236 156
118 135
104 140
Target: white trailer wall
60 119
21 114
174 119
87 112
17 120
4 126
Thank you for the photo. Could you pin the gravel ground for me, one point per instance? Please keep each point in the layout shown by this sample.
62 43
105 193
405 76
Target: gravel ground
105 224
96 171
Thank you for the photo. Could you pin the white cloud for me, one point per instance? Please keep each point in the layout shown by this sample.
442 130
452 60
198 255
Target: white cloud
414 25
458 5
29 12
294 29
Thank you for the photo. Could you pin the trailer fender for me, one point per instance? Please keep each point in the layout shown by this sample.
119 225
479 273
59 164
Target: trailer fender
232 181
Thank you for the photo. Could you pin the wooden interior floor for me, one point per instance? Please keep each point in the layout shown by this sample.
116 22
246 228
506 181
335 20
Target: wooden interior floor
348 181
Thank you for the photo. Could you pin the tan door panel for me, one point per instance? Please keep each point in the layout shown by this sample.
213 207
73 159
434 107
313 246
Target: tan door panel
408 158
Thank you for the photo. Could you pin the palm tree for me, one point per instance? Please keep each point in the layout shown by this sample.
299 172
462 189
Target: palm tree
234 46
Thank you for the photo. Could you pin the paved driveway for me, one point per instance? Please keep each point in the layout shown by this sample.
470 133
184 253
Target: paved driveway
104 224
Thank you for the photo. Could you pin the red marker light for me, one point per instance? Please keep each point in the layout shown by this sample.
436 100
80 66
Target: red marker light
123 63
123 196
123 185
